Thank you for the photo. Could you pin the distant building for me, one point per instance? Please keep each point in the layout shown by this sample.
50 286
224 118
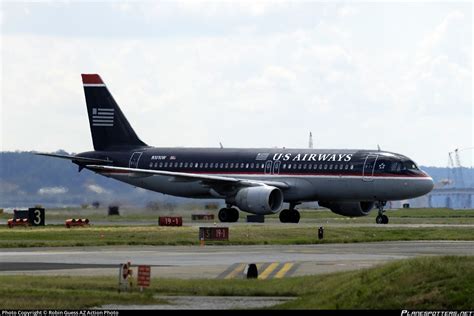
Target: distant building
455 198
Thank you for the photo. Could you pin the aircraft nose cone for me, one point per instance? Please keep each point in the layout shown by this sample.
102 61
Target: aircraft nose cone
427 185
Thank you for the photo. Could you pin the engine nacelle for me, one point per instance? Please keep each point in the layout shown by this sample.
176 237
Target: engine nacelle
259 200
352 209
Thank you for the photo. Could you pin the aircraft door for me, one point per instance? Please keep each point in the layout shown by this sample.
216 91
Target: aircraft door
133 163
268 167
369 167
276 167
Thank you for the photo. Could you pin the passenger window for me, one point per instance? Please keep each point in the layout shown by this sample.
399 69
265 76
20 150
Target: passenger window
284 166
242 165
206 165
232 165
352 167
346 167
305 166
325 167
221 165
166 165
330 167
299 166
246 166
181 165
320 167
251 165
310 166
185 165
151 164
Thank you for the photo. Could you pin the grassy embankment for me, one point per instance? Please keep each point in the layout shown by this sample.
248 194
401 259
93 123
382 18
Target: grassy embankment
440 283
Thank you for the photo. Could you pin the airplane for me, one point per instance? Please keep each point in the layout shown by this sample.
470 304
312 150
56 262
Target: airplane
255 180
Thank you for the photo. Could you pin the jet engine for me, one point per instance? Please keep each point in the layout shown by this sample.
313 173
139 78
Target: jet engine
259 200
352 209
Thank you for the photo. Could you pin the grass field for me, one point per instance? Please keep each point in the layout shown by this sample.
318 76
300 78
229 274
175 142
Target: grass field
58 236
439 283
116 232
398 216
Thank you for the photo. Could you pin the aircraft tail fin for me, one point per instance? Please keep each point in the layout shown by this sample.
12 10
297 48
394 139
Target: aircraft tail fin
109 127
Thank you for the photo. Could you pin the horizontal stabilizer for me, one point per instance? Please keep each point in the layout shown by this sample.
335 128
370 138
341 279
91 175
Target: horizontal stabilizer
75 158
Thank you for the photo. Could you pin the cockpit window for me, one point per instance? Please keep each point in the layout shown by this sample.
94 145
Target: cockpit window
410 165
395 167
398 166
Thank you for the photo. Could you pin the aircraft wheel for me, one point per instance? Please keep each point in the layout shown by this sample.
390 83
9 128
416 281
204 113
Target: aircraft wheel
285 216
379 219
224 215
384 219
295 217
234 215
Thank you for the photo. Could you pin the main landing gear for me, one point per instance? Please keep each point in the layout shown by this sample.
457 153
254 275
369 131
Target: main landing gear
381 218
229 215
290 215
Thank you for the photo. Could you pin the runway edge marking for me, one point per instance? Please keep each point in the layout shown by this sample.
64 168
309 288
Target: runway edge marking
232 271
269 270
286 268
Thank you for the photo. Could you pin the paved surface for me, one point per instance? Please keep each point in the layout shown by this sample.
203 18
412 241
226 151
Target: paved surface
221 261
207 302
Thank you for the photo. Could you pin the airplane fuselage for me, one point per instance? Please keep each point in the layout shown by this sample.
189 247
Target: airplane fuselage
311 175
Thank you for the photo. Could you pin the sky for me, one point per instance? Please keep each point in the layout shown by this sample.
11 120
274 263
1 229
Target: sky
243 73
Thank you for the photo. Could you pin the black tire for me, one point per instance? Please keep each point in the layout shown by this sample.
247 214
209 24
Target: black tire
295 217
384 219
285 216
379 219
224 215
234 215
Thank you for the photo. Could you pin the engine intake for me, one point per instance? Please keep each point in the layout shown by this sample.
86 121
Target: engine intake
352 209
259 200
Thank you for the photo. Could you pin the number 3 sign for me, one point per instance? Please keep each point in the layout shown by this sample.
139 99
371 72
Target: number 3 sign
36 216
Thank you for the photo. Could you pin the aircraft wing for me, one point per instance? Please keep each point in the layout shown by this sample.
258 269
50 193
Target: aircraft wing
184 176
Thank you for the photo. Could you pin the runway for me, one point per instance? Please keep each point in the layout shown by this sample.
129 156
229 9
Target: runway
185 262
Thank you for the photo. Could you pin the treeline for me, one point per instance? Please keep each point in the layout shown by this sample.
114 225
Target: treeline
26 179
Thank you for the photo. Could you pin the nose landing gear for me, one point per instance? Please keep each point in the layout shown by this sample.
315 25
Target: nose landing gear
381 218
